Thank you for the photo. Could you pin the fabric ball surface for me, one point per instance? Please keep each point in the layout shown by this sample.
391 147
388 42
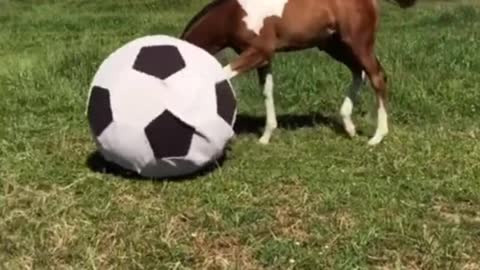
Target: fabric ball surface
161 107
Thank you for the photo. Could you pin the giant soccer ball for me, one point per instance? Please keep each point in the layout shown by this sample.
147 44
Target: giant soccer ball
161 107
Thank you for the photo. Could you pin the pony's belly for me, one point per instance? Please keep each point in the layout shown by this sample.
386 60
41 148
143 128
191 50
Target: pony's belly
294 46
303 40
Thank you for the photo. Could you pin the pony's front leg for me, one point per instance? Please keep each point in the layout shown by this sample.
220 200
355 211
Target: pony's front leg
266 80
259 55
248 60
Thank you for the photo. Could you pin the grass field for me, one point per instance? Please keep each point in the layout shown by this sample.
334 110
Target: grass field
312 199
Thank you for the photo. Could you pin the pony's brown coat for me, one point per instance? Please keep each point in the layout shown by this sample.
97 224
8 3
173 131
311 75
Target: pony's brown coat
345 29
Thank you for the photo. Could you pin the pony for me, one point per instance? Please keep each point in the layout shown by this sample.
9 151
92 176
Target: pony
257 29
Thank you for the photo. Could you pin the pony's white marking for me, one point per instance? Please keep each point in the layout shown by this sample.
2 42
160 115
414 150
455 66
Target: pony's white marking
229 72
346 112
364 76
271 119
382 126
347 106
258 10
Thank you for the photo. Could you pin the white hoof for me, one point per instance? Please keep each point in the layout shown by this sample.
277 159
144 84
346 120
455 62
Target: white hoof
264 140
350 129
267 133
376 139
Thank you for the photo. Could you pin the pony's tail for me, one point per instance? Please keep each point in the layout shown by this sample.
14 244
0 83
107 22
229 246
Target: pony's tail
404 3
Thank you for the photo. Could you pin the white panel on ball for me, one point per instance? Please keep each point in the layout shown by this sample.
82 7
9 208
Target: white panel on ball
122 144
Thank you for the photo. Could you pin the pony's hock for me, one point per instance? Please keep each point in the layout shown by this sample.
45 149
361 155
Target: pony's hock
257 29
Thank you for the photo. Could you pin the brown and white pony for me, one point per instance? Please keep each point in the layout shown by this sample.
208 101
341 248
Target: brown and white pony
256 29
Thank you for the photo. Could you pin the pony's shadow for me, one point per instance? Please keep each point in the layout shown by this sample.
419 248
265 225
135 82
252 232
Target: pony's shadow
248 124
97 163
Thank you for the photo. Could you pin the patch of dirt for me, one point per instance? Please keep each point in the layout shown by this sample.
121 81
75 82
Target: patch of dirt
223 252
289 223
174 229
343 220
291 211
471 266
457 214
138 202
61 237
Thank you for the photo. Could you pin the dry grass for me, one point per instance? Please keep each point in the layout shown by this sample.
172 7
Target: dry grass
222 252
458 213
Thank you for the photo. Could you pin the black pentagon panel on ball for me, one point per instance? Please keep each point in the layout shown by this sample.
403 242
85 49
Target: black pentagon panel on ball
226 103
160 61
169 136
99 110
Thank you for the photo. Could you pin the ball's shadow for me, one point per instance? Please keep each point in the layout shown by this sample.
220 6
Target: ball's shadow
97 163
244 124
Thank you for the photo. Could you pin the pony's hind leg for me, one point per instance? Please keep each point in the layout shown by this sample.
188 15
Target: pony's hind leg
266 80
376 75
343 53
360 42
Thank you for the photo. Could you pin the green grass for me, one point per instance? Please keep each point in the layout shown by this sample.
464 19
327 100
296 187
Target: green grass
312 199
